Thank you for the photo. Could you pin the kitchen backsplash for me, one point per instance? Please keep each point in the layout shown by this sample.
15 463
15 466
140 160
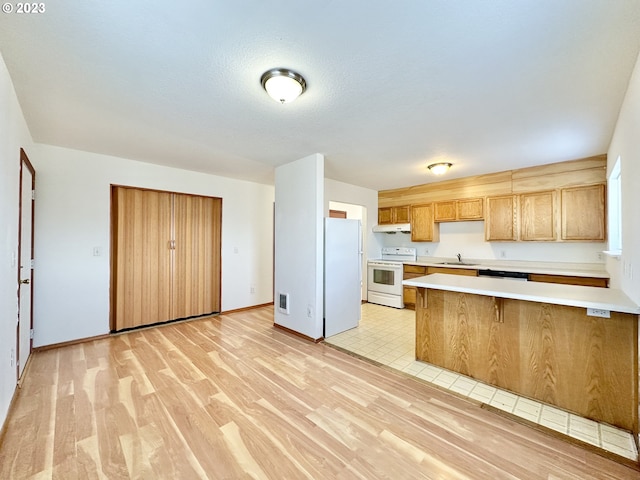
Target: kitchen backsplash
467 238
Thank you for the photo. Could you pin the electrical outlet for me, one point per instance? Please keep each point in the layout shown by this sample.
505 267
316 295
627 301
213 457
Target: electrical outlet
13 357
597 312
599 256
309 311
252 289
503 254
426 251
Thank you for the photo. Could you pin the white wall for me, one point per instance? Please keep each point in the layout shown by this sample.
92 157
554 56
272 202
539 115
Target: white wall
335 191
467 238
14 135
299 256
625 272
71 298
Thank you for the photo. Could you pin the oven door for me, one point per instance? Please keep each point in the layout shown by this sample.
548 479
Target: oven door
384 278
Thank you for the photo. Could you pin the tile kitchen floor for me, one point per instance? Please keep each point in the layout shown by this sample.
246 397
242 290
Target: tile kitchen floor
387 335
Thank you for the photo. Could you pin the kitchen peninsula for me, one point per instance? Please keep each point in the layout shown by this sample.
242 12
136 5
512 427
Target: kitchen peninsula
575 347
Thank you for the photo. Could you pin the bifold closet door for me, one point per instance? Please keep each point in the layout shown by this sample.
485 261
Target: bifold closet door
141 276
197 223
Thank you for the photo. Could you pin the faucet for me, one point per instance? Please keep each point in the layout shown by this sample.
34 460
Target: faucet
459 258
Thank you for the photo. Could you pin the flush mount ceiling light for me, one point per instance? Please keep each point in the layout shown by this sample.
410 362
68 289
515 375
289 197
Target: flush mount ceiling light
439 168
283 85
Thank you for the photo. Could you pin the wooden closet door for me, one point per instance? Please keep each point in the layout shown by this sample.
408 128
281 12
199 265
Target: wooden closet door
142 258
197 223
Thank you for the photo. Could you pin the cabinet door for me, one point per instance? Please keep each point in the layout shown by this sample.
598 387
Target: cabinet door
413 271
500 218
537 216
423 228
385 215
409 296
141 276
470 209
445 211
401 214
583 213
197 247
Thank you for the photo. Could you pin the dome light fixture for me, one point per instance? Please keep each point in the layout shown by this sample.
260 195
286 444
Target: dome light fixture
283 85
439 168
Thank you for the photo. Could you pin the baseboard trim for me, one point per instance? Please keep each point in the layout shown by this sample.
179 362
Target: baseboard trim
298 334
244 309
14 398
70 342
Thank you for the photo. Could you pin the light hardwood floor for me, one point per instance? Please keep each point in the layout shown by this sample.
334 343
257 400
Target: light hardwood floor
231 397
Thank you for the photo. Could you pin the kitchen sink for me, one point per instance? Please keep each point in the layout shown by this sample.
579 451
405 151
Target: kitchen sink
457 263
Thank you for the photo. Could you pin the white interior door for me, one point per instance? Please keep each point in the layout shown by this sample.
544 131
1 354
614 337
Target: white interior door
25 275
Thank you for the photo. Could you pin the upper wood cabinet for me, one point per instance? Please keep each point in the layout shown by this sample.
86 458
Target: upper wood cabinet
457 210
391 215
500 218
583 213
423 227
537 216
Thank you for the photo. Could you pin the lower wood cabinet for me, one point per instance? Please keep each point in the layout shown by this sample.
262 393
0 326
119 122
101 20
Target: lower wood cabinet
553 353
414 271
409 293
453 271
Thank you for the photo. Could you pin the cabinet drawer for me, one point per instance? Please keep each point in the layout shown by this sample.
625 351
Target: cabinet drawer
569 280
415 269
454 271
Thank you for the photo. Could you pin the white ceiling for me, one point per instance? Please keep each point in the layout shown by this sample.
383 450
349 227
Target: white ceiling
392 86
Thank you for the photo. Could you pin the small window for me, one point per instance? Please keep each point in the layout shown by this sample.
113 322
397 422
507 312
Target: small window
615 209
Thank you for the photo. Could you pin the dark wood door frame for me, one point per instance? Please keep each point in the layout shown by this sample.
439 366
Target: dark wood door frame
25 163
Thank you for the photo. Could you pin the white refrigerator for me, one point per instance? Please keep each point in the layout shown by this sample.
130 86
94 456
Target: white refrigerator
342 275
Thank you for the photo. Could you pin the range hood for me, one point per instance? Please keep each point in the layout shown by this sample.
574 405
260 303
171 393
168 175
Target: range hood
393 228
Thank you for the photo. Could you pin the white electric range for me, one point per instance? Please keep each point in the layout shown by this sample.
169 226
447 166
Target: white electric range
384 276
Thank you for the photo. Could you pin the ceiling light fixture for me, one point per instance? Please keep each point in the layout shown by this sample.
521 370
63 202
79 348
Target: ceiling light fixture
283 85
439 168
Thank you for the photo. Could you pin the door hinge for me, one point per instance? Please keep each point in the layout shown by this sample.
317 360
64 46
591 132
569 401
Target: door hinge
33 194
33 263
31 334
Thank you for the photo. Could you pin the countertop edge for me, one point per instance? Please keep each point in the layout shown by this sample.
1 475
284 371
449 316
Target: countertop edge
569 295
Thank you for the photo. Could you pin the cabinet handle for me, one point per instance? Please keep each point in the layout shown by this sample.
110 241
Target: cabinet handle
25 281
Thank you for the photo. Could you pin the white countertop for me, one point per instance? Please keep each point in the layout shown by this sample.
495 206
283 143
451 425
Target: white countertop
570 269
558 294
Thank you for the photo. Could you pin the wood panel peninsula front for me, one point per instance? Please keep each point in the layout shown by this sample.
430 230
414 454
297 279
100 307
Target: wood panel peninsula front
536 340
